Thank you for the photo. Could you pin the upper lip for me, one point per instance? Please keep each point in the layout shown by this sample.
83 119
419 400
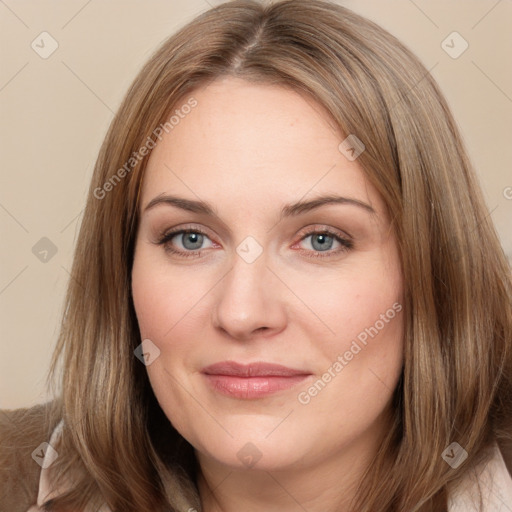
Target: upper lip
258 369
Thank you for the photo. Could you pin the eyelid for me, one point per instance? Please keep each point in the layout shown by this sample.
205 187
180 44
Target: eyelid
164 238
322 228
168 233
344 238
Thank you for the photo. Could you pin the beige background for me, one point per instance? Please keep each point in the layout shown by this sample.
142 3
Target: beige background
55 111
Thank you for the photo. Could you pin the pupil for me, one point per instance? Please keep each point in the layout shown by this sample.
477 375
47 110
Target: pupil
193 241
321 242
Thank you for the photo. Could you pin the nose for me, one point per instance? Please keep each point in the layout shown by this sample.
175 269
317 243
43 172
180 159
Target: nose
249 302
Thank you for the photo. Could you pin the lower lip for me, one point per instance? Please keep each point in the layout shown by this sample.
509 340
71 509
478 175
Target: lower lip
252 387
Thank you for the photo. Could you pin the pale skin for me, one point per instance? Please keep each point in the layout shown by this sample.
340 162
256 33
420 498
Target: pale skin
248 150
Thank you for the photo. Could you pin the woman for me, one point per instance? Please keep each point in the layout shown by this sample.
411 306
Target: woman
287 293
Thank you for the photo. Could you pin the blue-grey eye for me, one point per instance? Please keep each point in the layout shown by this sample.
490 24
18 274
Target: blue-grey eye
321 242
192 241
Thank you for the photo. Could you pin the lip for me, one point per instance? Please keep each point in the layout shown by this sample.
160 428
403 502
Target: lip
252 381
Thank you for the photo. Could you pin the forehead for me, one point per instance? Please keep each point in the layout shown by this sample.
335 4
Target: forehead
252 144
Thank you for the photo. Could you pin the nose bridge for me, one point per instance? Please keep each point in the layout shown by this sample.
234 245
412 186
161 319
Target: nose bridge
245 286
249 268
247 300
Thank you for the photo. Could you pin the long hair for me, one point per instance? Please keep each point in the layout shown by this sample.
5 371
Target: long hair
117 446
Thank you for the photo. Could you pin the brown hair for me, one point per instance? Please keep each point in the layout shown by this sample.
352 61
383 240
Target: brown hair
457 378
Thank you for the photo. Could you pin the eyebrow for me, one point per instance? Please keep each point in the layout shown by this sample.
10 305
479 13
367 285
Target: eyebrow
289 210
300 207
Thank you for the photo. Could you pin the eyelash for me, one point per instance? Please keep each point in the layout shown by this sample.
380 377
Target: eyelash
346 244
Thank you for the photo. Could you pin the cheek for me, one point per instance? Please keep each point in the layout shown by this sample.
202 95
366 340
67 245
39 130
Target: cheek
164 299
362 361
166 309
351 305
359 340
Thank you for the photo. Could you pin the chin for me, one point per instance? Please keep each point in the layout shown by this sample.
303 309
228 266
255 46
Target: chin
262 454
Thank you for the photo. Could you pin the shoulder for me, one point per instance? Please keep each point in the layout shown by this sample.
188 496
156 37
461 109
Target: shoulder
21 432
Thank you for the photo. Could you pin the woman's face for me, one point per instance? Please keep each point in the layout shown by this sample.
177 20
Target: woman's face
272 327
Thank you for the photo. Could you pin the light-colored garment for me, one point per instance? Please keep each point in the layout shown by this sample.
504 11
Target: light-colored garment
495 483
46 490
492 477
